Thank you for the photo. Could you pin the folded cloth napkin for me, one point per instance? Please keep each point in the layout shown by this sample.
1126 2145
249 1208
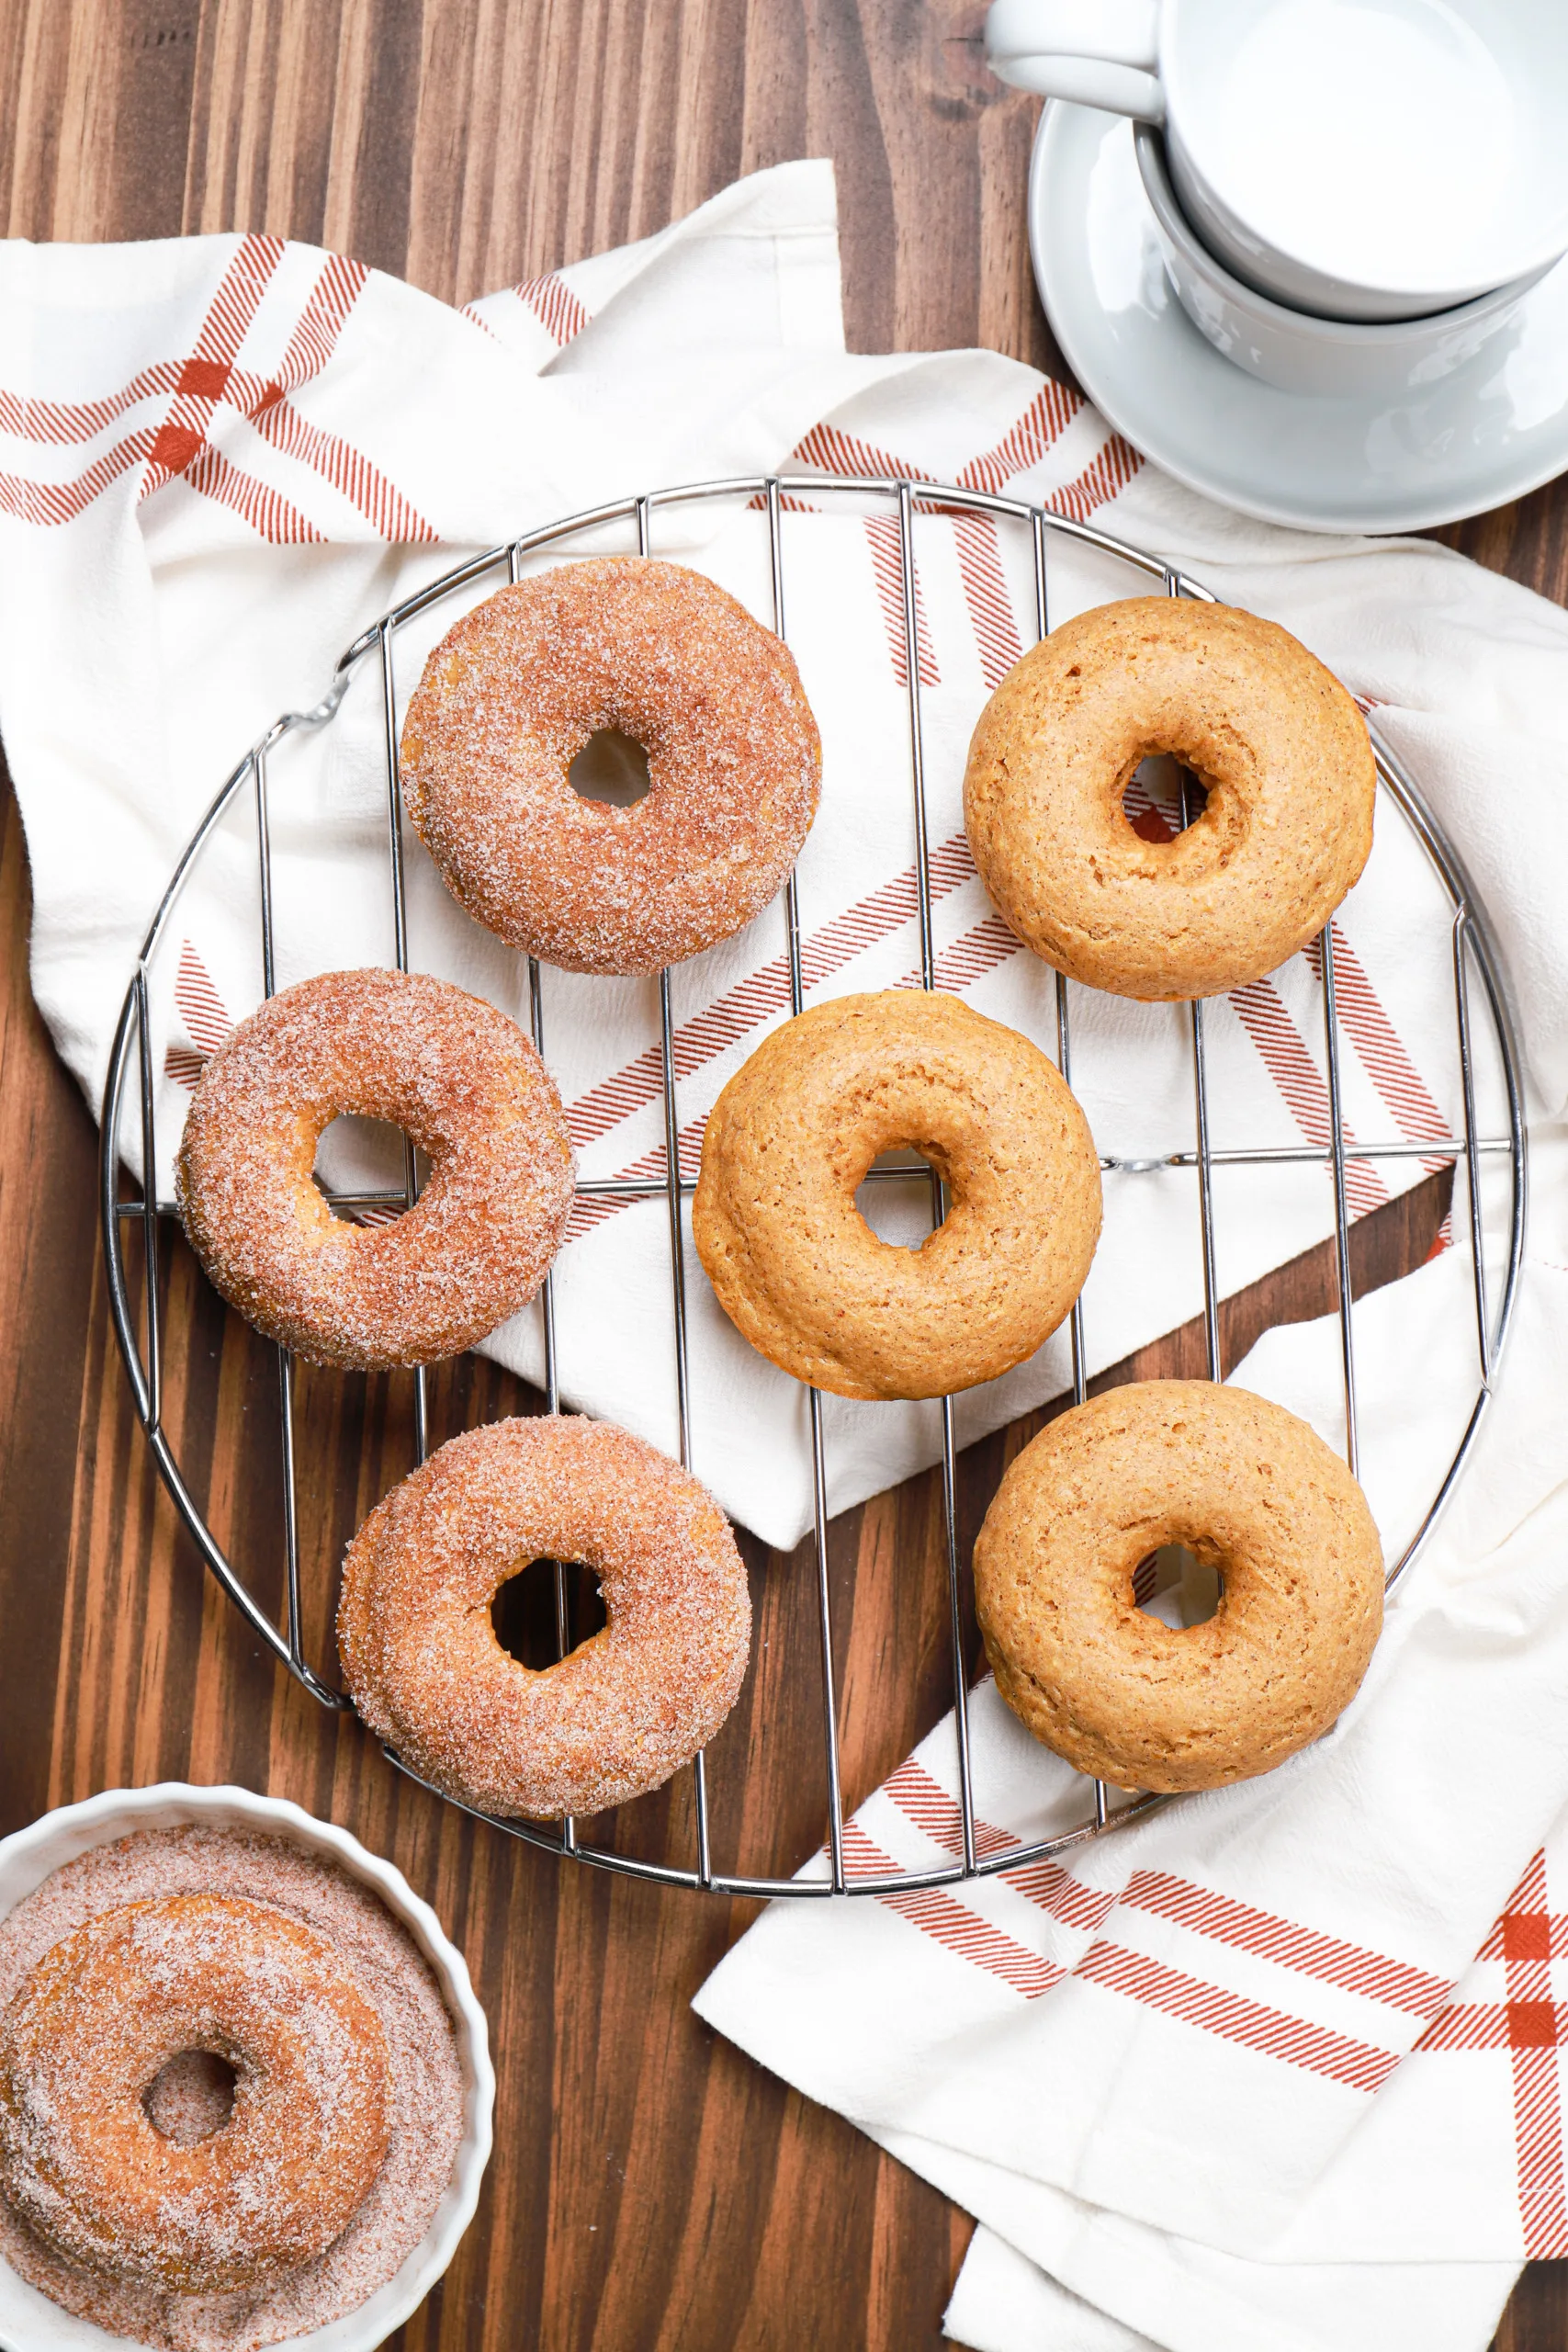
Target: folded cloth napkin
1277 2069
223 457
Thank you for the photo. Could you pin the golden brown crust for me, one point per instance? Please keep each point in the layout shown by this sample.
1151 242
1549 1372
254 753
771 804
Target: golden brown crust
463 1083
106 2010
624 1710
512 695
1272 735
1252 1491
793 1263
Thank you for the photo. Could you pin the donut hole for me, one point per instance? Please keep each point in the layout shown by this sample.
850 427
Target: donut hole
191 2096
895 1197
523 1613
611 767
358 1157
1161 797
1175 1585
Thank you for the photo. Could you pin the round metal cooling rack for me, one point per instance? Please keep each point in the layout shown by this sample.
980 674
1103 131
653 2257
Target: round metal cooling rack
1474 956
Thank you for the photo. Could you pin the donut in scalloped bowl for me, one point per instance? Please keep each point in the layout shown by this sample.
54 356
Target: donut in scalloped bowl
241 2097
97 2020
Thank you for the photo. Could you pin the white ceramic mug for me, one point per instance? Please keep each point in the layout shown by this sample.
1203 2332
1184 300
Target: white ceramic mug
1360 159
1332 358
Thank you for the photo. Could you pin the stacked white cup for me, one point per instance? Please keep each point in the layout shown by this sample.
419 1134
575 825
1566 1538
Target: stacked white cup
1351 195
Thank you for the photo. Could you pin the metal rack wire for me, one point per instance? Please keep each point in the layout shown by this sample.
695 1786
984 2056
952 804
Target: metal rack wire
1474 957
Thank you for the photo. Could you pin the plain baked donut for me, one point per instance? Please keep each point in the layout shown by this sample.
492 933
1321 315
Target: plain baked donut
1250 1490
1271 735
620 1713
100 2015
514 691
793 1263
463 1083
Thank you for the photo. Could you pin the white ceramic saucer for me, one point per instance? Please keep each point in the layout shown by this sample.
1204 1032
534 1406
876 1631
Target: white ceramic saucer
1493 429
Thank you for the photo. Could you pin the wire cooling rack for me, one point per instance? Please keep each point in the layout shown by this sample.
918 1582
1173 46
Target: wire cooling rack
1473 957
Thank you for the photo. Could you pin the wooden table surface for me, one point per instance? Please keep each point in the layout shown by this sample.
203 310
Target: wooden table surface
651 2189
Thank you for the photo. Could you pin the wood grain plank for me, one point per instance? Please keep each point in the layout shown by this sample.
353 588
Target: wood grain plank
1528 540
1537 2318
48 1154
652 2188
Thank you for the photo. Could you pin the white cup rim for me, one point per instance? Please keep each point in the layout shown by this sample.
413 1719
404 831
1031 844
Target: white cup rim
1522 254
1132 57
30 2321
1309 326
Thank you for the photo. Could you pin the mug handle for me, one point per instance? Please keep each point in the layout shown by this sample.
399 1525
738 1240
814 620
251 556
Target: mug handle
1095 52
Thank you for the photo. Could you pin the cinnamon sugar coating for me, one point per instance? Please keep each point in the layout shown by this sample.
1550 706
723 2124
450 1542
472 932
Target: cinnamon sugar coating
463 1083
514 691
622 1711
95 2022
1252 1492
424 2084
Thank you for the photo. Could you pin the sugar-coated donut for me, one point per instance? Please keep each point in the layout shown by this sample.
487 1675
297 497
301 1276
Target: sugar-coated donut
514 691
793 1263
95 2022
1271 735
463 1083
1252 1492
620 1713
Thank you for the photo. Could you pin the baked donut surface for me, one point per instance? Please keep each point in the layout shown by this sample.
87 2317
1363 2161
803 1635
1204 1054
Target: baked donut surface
663 655
92 2026
1252 1492
1274 738
795 1266
619 1713
463 1083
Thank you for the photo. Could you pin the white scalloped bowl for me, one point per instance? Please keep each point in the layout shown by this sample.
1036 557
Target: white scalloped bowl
28 2320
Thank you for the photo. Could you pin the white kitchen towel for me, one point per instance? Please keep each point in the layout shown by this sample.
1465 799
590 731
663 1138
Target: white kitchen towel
1277 2069
222 459
229 455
